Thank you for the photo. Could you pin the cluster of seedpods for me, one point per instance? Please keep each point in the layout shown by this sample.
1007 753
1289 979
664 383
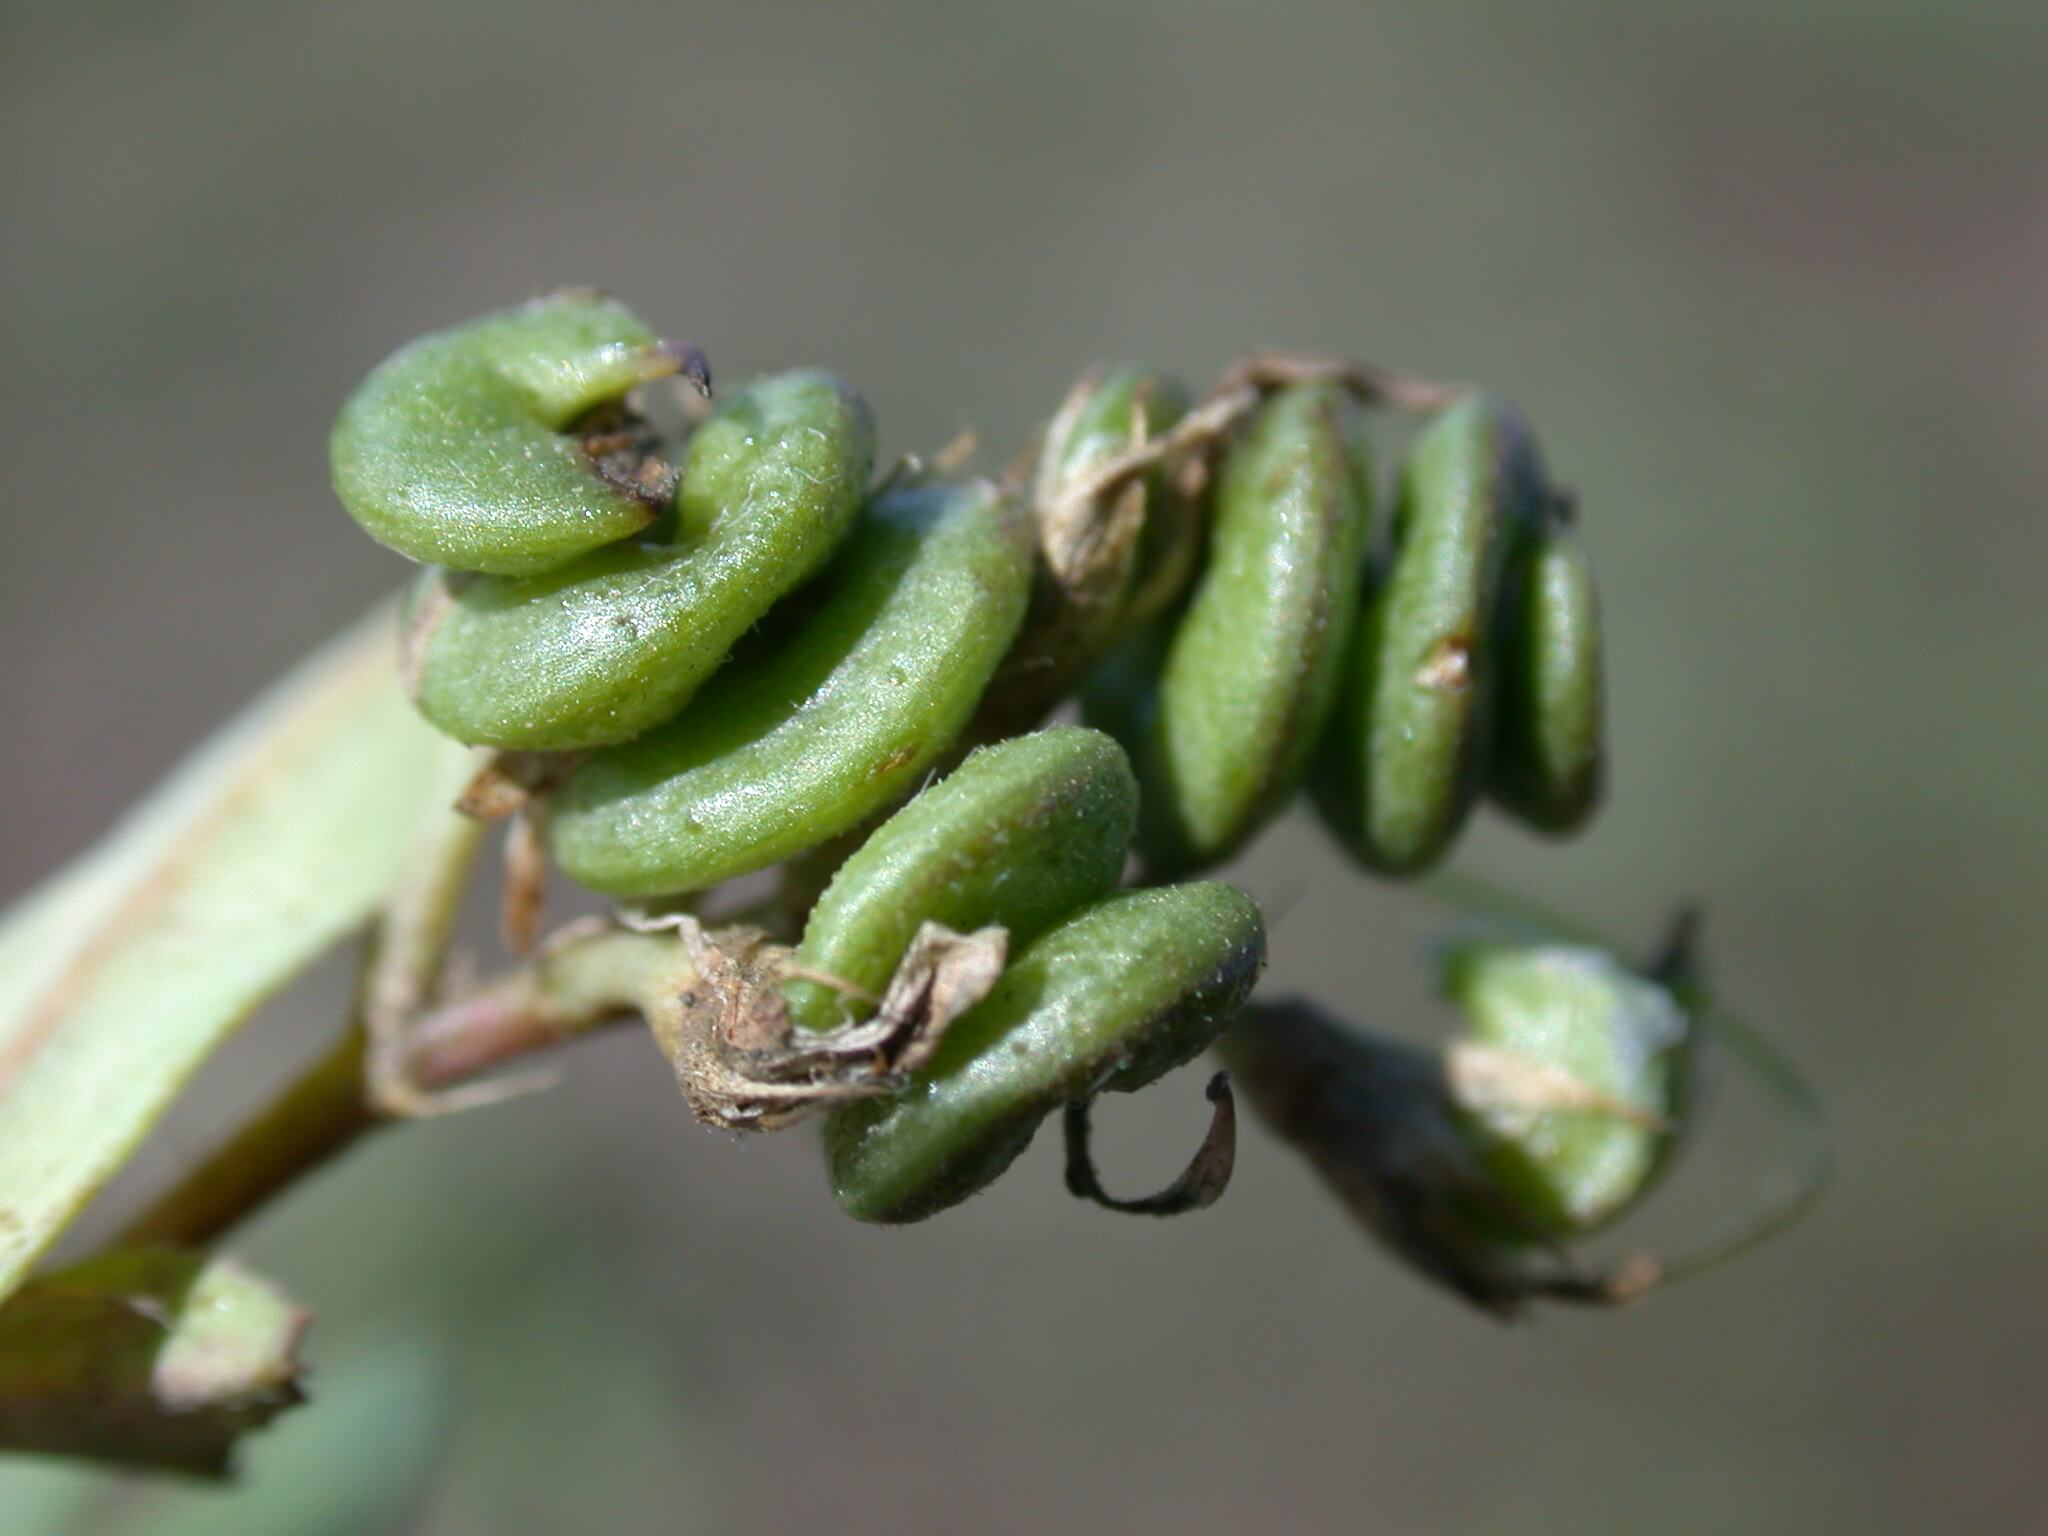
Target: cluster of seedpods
728 649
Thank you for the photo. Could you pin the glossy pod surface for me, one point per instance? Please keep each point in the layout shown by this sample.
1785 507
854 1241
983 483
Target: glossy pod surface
1253 666
1111 998
1409 740
1574 1014
615 642
453 452
835 721
1548 762
1019 835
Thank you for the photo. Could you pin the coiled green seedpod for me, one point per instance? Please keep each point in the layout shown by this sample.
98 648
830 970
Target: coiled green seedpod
1018 836
699 674
1112 998
1549 757
1253 665
1409 741
831 724
456 451
1549 1117
615 642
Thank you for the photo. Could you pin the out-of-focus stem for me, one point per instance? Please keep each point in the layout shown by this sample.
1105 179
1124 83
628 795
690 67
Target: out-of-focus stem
317 1114
588 978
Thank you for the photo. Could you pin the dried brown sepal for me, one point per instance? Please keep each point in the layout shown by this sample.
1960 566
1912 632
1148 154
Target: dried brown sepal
1482 1077
1087 541
422 619
1190 448
1370 383
511 781
743 1065
526 876
956 453
1197 433
951 458
1091 591
1200 1185
627 454
1092 588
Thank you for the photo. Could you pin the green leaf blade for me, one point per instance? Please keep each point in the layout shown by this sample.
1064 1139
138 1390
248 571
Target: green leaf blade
120 976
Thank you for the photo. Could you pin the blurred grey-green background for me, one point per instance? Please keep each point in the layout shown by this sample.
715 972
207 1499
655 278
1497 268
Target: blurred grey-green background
1771 277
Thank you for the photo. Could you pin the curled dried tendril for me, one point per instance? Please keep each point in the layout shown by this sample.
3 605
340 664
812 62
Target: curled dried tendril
1200 1185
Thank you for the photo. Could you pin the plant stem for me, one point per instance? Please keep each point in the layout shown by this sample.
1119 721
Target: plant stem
409 949
315 1117
589 977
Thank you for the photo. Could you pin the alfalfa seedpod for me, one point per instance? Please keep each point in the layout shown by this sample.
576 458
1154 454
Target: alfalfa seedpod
1018 836
1118 994
830 723
1248 677
600 648
1546 1119
1549 750
1409 739
461 448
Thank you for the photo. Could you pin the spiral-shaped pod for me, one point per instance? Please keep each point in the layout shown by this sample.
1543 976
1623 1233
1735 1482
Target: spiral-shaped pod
457 450
610 644
814 731
567 615
768 659
707 658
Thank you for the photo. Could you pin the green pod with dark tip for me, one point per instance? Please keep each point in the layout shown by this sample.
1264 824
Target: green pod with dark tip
1409 740
836 720
611 644
1548 763
453 451
1019 835
1563 1099
1254 664
1112 998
